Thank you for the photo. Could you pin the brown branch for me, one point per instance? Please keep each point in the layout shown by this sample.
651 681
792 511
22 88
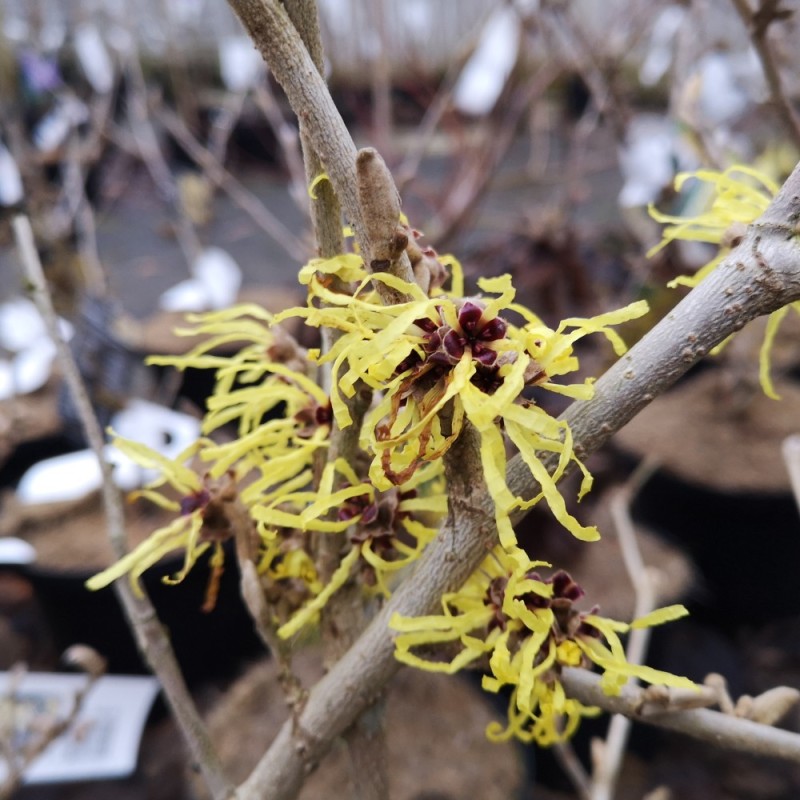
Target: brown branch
150 635
721 729
326 213
344 616
281 46
758 277
223 179
343 620
757 26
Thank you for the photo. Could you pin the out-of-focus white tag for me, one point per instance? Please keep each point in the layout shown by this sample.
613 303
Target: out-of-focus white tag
103 741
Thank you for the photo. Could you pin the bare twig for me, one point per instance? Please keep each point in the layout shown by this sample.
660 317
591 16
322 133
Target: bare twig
289 139
84 218
223 179
345 615
427 129
326 213
146 140
344 618
225 117
568 760
682 103
757 26
271 28
151 637
176 59
721 729
582 54
607 768
463 197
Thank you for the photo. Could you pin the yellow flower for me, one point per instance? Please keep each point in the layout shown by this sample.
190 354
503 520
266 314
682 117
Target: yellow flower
388 530
445 359
739 195
283 423
528 629
288 574
265 376
554 717
204 519
283 417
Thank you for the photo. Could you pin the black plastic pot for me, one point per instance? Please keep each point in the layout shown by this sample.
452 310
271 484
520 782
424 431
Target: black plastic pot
208 645
746 546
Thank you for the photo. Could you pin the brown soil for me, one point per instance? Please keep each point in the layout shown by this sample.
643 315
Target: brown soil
435 736
74 537
715 435
156 334
30 417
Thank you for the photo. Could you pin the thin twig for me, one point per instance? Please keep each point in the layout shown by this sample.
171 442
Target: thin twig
682 102
176 59
583 57
326 211
758 36
239 194
468 189
86 230
150 635
146 140
427 129
343 620
344 616
279 42
715 727
607 769
569 762
224 120
289 138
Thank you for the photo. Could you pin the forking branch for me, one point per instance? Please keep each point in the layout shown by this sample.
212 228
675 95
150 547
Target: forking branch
759 276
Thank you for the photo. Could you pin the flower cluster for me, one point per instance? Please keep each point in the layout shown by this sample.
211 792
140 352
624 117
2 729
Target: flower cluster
269 474
201 520
260 485
525 628
734 198
439 361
